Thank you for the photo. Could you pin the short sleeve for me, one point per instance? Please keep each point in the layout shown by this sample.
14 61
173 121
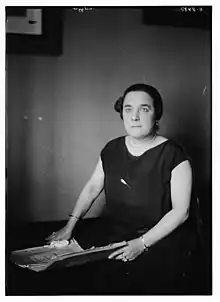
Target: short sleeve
106 153
103 156
110 152
179 155
102 153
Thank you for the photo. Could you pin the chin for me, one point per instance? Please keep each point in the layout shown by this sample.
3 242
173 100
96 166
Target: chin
135 134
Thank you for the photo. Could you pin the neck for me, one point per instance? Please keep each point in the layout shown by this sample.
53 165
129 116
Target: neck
138 142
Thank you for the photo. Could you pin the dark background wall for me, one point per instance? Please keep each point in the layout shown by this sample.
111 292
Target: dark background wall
60 108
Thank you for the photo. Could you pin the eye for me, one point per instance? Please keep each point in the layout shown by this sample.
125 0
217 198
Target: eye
145 109
127 110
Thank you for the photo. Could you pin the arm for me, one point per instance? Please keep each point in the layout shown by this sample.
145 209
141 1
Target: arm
181 185
88 195
90 192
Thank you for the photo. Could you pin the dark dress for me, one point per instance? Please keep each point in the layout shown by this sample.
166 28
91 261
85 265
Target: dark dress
137 190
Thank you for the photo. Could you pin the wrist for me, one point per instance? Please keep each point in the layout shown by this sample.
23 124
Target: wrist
76 217
70 225
71 222
145 247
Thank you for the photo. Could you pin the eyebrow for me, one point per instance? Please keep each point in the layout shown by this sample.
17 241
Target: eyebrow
142 105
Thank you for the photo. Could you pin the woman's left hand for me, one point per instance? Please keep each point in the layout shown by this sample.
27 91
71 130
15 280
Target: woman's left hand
130 252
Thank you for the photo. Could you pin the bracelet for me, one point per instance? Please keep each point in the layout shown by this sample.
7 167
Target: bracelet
72 215
145 247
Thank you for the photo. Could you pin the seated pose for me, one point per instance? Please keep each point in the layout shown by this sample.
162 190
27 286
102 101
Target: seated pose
147 180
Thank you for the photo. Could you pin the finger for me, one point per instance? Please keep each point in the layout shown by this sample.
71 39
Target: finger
56 237
122 258
116 253
133 257
51 236
50 240
119 257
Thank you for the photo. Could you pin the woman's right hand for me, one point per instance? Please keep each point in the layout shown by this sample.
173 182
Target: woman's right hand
63 234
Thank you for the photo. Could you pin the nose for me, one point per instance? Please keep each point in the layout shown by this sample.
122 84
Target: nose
135 116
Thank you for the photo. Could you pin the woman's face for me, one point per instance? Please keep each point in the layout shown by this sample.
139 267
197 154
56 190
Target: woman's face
138 114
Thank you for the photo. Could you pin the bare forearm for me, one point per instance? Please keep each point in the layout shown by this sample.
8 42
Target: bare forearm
165 226
84 202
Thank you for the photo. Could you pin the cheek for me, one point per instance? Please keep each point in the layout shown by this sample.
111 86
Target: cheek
125 119
126 123
148 120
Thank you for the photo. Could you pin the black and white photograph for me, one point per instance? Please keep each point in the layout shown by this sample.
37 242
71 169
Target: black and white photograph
108 151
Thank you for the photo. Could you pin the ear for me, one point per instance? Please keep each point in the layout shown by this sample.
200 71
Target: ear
119 106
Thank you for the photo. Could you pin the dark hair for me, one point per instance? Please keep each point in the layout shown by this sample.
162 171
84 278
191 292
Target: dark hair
155 95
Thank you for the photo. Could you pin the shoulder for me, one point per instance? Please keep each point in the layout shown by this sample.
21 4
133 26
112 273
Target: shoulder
112 144
174 153
172 145
169 145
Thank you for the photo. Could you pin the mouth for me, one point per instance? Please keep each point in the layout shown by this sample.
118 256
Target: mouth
135 126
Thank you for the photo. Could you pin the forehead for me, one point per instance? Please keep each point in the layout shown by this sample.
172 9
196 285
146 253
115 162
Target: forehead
136 98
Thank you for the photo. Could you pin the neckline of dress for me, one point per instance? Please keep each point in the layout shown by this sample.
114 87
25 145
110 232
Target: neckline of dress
138 156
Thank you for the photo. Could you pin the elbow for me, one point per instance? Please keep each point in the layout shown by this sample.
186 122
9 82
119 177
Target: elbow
185 215
182 215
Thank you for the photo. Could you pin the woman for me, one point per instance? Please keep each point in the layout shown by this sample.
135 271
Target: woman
147 180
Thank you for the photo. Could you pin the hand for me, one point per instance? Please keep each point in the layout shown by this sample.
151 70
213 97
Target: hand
63 234
130 252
